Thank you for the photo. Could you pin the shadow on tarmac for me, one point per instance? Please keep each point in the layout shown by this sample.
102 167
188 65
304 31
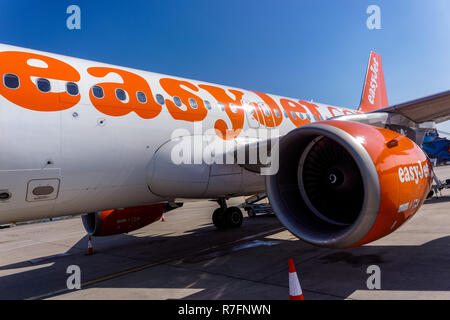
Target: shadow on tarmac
438 200
324 273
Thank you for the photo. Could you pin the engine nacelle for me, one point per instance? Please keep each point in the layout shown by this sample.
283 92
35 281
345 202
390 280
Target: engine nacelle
110 222
343 184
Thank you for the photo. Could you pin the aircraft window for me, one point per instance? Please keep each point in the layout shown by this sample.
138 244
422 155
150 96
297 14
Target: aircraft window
11 81
177 101
207 104
277 113
72 88
97 91
121 94
142 98
286 114
193 103
266 110
293 115
307 115
43 85
315 118
160 99
321 118
300 115
221 106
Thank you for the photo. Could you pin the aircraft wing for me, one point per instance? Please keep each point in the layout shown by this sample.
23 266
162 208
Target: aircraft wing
432 108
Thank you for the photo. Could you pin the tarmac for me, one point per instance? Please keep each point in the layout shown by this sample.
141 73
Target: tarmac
185 257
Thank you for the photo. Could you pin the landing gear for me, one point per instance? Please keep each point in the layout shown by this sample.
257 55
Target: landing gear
233 217
227 218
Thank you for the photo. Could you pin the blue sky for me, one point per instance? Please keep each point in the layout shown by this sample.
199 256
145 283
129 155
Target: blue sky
306 49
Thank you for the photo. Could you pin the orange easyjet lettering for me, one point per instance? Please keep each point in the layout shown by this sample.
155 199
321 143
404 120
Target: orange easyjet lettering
134 94
132 84
235 114
273 119
174 88
27 95
332 109
345 112
258 115
292 106
313 108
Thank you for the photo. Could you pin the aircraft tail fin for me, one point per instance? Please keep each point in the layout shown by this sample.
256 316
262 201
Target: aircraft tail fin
374 94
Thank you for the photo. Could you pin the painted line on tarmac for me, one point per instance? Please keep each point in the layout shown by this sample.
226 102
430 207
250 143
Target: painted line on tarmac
91 282
234 241
150 265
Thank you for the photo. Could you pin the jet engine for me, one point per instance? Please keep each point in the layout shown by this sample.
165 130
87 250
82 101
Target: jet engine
117 221
343 184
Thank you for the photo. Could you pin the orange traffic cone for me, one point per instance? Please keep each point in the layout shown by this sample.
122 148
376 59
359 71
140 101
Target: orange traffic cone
295 291
90 247
162 218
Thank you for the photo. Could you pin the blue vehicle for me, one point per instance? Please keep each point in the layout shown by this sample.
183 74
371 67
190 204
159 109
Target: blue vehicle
436 147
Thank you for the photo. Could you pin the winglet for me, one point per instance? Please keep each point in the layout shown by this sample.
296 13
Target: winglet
374 94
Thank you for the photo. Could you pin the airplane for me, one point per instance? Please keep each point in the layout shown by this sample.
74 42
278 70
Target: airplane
121 147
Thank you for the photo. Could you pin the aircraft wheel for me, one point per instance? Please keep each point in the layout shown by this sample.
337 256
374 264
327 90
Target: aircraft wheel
218 218
233 217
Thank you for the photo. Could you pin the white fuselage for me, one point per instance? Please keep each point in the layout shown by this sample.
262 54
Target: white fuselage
94 161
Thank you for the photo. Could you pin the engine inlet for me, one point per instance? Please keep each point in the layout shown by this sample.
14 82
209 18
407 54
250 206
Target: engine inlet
330 182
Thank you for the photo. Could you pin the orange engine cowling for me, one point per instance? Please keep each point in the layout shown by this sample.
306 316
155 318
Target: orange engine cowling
343 184
110 222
